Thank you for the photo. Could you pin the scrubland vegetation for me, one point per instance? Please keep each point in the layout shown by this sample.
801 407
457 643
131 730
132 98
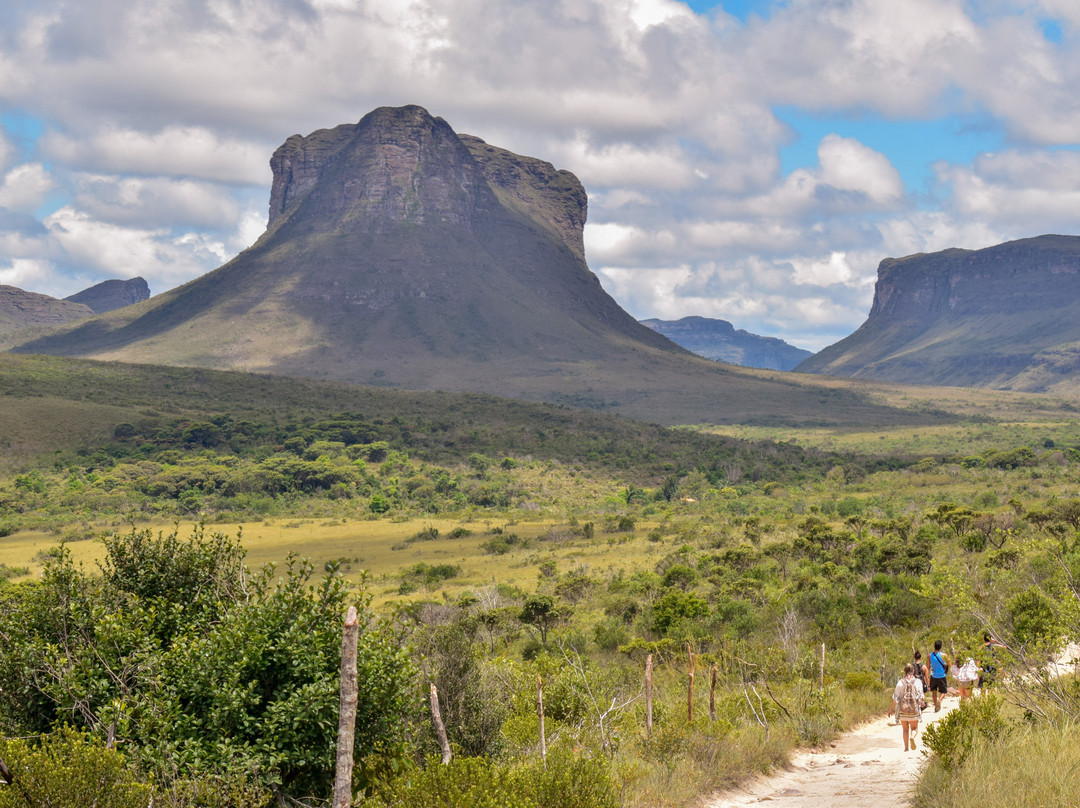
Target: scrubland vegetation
171 597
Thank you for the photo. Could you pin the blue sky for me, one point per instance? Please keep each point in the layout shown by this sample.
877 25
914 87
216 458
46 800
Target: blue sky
748 160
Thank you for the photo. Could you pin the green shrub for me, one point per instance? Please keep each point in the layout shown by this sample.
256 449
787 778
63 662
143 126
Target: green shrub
862 680
952 738
566 781
69 768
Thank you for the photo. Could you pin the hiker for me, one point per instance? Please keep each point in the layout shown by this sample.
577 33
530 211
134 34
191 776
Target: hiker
939 667
921 673
989 661
907 701
966 675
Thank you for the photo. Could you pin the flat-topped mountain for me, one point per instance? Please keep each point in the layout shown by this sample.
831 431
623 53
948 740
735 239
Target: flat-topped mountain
720 341
1006 316
112 294
400 253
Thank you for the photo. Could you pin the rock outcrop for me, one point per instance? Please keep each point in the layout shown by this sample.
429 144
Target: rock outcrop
720 341
112 294
1006 316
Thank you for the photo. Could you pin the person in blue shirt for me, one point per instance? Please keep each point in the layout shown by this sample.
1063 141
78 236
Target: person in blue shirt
939 666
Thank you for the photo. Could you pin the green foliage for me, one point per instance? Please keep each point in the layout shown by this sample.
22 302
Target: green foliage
952 738
567 780
66 769
225 674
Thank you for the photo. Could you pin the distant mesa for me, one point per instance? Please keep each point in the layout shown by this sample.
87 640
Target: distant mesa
400 253
112 294
720 341
1005 317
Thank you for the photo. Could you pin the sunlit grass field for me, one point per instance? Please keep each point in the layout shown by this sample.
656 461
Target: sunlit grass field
380 551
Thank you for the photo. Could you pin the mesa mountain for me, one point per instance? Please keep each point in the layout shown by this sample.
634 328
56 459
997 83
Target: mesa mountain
400 253
1006 317
719 340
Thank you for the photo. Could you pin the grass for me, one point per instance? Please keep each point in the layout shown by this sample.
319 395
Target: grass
1033 767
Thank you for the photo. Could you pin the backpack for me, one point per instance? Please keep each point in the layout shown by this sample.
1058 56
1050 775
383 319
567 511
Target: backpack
910 703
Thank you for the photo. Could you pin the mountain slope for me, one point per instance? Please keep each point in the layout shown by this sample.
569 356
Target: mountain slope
720 341
1006 316
399 253
20 309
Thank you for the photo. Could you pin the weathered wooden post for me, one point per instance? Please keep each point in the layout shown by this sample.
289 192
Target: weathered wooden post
540 713
648 696
440 728
690 688
712 695
346 711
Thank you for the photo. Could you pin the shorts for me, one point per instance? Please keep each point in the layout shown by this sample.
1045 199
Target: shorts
939 685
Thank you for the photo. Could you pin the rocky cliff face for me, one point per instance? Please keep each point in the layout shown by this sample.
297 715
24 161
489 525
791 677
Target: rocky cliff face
112 294
720 341
1005 316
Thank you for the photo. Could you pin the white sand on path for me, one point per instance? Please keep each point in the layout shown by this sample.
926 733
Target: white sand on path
864 768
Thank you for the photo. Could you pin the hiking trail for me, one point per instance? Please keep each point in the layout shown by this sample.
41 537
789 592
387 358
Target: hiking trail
864 768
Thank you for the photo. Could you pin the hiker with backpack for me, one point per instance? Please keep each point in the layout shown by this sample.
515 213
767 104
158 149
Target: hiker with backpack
939 668
908 702
921 673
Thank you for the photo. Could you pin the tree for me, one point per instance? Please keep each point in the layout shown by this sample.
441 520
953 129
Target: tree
543 613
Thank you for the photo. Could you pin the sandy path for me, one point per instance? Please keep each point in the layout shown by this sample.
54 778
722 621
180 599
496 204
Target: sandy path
865 768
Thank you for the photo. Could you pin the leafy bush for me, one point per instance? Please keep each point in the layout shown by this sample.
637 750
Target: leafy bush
953 737
69 768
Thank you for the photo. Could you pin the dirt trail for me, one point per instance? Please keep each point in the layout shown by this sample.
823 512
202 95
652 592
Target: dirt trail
864 768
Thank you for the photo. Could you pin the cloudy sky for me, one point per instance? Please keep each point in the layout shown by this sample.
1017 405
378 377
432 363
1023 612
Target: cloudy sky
751 160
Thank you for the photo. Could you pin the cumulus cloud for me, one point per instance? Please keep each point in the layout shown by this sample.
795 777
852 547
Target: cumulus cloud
25 187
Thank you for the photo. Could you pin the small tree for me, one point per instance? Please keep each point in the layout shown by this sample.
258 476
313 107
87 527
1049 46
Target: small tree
543 613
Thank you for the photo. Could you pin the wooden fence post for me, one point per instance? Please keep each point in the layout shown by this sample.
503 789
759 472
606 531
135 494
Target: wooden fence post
648 696
821 673
712 695
350 633
440 728
690 688
540 713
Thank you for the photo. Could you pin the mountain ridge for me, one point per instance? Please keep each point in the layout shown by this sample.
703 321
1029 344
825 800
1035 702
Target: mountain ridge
720 341
1006 316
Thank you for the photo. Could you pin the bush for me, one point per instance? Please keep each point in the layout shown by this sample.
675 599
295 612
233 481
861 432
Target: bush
69 768
952 738
567 781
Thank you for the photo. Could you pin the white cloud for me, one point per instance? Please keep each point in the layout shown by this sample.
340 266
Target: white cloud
848 165
25 187
146 202
182 152
104 250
